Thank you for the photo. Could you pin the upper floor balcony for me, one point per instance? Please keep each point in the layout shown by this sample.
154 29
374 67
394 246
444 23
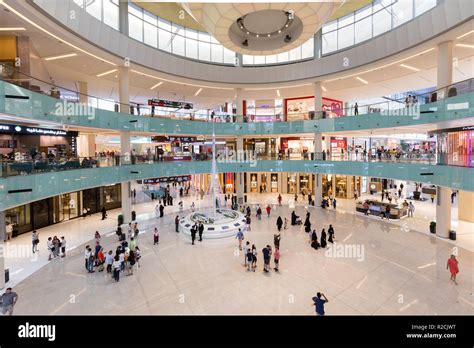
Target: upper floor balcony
448 103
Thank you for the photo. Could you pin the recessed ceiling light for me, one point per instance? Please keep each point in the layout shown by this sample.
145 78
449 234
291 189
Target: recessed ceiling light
257 35
61 56
362 80
409 67
106 73
12 29
248 33
286 25
198 91
268 35
465 45
279 31
464 35
158 84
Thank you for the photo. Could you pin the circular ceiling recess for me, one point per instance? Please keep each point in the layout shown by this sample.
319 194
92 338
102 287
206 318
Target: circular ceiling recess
262 28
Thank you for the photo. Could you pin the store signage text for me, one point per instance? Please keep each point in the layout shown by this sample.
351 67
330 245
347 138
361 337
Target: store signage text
170 104
33 130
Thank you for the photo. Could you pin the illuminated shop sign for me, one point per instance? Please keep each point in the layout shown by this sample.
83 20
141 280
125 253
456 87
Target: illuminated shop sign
181 178
8 128
163 139
170 104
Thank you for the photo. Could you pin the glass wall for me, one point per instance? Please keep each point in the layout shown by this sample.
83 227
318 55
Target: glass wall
456 148
305 51
372 20
106 11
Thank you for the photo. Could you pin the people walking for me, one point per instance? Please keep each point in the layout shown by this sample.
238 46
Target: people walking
314 240
245 251
240 237
116 265
104 213
193 233
276 240
50 246
8 301
254 257
279 200
176 223
318 301
157 211
331 234
162 209
276 259
307 224
201 230
268 210
63 247
323 238
249 259
279 223
266 252
334 203
411 209
453 266
109 260
35 241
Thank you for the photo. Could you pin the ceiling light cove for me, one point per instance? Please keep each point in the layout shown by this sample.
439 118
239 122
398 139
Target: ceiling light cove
106 73
262 28
157 85
61 56
12 29
362 80
409 67
197 92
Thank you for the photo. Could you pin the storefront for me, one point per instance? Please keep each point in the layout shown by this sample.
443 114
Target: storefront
297 148
455 146
270 110
62 208
338 146
298 109
28 141
274 183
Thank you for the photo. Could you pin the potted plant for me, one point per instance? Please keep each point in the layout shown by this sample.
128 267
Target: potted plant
120 220
433 227
134 215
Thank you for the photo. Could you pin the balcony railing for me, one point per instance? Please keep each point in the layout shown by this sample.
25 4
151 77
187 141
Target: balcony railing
388 108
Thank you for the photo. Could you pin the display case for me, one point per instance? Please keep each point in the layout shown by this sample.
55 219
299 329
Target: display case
375 208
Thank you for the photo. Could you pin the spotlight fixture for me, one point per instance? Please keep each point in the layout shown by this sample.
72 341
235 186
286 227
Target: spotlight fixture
245 43
287 38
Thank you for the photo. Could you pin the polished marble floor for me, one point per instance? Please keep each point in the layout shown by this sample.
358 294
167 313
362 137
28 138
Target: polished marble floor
399 270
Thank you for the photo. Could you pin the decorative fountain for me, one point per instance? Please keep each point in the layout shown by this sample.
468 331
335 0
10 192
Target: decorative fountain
218 222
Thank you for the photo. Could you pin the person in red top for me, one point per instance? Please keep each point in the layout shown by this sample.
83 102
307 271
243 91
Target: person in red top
453 268
268 210
101 259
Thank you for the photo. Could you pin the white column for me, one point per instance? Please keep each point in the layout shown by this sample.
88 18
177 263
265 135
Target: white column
240 176
239 105
2 249
443 197
318 146
445 64
126 159
83 98
126 202
318 179
466 206
318 100
443 211
124 95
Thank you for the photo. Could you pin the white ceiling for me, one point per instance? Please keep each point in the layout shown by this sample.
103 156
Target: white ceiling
384 77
